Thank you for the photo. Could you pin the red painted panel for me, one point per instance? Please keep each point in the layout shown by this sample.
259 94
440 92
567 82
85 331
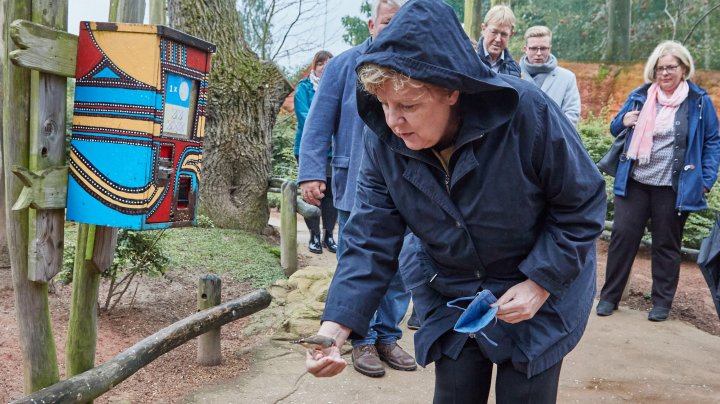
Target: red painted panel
196 59
88 54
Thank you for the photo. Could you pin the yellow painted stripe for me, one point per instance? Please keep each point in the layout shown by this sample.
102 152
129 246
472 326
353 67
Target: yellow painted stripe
114 123
153 191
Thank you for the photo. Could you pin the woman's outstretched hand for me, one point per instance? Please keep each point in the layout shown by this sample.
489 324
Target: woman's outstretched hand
327 362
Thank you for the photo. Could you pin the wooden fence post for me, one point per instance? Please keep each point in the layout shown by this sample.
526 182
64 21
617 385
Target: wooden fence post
288 227
209 295
37 345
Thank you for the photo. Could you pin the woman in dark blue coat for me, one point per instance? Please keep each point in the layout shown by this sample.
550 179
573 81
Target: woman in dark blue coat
500 196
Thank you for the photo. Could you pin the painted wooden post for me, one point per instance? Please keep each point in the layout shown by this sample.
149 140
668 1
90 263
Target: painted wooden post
288 227
473 18
94 253
40 366
209 295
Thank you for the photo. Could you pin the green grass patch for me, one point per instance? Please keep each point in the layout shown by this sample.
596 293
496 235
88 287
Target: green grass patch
221 251
240 255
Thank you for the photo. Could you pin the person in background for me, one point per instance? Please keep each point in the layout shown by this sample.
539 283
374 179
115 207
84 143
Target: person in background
673 150
334 118
500 196
539 66
304 93
497 29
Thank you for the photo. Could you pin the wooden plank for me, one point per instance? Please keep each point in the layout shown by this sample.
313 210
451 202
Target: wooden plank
132 11
41 48
288 228
104 250
93 383
48 94
46 189
37 345
209 294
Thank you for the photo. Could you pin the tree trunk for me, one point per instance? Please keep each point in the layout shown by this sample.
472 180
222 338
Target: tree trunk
245 96
617 49
473 18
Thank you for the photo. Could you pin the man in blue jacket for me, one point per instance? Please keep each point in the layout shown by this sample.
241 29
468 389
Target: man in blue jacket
333 117
501 198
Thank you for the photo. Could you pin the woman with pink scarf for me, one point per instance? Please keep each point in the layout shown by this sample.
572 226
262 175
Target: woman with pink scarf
671 162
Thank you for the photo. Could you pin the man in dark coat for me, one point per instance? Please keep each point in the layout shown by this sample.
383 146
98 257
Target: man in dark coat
500 196
497 29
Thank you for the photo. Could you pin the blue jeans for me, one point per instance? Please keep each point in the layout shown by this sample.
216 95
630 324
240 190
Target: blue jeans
384 324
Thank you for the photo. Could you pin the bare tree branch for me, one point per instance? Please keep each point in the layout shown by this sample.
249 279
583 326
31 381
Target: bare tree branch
689 34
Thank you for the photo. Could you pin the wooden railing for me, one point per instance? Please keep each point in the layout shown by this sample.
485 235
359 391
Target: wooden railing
94 382
290 206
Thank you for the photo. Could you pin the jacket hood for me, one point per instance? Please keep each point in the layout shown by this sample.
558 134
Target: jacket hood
426 42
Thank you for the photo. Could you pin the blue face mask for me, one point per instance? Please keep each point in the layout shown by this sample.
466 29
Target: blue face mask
477 314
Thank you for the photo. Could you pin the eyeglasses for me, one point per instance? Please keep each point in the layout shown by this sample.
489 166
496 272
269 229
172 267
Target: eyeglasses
669 68
542 49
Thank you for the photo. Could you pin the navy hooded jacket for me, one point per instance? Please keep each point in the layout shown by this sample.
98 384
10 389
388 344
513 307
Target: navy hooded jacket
522 199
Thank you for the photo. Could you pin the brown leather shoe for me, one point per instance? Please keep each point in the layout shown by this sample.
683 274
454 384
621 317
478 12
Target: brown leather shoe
396 357
366 361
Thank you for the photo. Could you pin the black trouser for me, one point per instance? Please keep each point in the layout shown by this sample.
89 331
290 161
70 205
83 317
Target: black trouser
640 203
328 212
467 380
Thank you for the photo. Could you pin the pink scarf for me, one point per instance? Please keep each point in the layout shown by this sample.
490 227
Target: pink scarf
648 124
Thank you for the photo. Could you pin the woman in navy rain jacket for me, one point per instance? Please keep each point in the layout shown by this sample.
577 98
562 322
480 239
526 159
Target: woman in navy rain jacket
499 194
670 180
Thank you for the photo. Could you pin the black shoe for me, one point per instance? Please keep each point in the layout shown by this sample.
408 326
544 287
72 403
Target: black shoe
314 244
329 242
413 323
605 308
658 313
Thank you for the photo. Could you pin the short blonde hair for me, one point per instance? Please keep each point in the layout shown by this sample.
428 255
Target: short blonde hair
373 76
538 31
671 48
502 15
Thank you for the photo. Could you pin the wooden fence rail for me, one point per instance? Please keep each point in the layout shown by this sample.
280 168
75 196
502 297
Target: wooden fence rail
94 382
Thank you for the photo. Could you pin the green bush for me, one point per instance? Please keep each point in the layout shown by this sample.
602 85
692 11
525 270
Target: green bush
595 134
283 139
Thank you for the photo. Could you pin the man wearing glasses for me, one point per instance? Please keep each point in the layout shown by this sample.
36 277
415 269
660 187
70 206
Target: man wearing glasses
539 66
497 29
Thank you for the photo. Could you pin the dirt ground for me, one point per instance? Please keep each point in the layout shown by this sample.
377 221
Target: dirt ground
160 302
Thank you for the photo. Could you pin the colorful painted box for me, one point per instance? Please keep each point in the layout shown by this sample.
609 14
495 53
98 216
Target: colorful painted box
138 125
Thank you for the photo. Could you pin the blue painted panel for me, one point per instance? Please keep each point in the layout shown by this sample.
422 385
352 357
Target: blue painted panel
83 208
106 73
143 98
127 165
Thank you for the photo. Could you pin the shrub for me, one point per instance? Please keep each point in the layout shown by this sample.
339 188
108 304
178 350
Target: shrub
283 139
597 139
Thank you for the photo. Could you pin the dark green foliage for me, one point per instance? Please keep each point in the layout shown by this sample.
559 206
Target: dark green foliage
283 139
596 137
580 28
356 28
